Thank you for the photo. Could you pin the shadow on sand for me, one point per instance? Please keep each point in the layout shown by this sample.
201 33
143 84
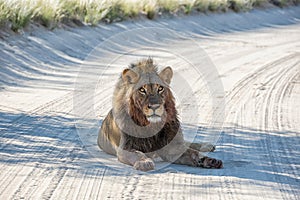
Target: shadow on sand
52 142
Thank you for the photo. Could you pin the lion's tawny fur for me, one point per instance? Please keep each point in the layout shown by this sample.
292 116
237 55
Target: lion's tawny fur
127 130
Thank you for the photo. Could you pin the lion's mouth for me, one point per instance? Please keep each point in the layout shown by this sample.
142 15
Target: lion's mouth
154 118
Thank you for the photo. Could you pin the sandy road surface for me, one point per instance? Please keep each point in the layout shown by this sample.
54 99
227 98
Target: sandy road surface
47 148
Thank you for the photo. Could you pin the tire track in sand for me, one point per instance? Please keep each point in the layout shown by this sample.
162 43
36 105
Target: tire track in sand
258 97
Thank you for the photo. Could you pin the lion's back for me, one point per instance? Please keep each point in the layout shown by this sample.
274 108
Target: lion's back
109 135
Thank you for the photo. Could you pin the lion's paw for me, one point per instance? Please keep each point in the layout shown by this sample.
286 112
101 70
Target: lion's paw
144 165
207 162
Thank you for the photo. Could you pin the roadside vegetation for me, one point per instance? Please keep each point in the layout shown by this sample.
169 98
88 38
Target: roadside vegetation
18 14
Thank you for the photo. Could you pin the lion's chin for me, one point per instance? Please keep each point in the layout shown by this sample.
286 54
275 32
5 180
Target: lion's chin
154 119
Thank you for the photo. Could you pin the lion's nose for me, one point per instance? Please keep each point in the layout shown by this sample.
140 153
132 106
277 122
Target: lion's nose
153 106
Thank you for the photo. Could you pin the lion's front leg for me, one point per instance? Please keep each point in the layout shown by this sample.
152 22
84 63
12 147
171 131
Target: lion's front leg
203 147
135 158
194 158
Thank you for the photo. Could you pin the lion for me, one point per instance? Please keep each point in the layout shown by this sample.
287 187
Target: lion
143 122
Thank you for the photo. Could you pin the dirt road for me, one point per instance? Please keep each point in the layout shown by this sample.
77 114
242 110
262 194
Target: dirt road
54 94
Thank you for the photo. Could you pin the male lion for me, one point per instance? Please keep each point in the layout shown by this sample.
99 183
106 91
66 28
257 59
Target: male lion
143 122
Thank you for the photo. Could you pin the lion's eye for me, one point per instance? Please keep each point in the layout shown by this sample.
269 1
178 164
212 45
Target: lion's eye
142 90
160 89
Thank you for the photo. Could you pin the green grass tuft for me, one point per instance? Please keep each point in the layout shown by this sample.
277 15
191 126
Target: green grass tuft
170 6
17 14
48 12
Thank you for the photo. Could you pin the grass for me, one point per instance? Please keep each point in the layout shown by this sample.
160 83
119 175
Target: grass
15 13
18 14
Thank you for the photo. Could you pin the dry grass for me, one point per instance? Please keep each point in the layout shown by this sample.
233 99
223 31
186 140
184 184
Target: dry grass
17 14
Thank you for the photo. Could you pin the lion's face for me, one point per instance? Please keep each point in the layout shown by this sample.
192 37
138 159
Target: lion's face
150 99
148 93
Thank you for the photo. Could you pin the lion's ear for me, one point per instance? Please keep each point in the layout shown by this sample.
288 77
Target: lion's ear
129 76
166 75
